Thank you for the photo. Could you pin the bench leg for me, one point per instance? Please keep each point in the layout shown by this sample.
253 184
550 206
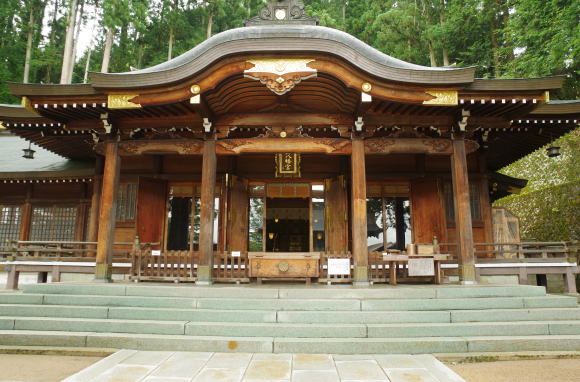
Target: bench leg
570 282
42 277
13 275
55 274
437 272
523 276
393 273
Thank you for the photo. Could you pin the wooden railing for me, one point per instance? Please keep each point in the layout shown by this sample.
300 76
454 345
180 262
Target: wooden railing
176 266
378 268
323 273
228 268
519 250
19 250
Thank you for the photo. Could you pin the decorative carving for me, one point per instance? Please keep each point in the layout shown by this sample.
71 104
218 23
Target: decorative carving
438 145
408 132
378 145
122 101
281 145
442 98
471 146
280 75
287 165
282 12
188 147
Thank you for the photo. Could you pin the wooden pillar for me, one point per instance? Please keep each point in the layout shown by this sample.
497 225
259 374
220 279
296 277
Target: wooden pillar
93 234
26 222
108 206
463 225
208 177
359 212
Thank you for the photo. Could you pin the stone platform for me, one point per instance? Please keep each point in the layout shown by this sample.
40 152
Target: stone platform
279 318
155 366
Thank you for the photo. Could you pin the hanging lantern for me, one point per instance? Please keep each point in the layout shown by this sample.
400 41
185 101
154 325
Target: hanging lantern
271 235
553 151
28 153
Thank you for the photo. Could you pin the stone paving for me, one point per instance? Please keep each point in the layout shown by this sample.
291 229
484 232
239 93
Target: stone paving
157 366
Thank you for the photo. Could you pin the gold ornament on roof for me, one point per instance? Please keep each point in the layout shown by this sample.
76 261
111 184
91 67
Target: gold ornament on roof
367 87
121 101
195 89
280 75
442 98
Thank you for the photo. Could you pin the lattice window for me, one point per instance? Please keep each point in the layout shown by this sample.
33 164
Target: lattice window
474 202
126 201
10 221
54 223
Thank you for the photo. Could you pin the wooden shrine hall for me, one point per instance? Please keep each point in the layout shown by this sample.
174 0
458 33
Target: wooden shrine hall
281 141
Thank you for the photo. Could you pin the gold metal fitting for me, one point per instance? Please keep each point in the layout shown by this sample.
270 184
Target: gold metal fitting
367 87
195 89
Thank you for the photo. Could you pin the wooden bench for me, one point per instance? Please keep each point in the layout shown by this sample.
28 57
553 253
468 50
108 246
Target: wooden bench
393 262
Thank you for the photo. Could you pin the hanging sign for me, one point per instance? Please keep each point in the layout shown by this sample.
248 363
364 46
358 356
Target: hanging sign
337 267
287 165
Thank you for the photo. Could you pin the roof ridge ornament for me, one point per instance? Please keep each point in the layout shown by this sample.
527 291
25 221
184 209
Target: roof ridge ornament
282 12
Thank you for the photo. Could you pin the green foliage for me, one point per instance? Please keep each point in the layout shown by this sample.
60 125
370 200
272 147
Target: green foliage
549 206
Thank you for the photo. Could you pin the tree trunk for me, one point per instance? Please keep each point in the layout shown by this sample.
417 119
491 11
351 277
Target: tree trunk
445 57
87 64
77 31
107 52
29 46
209 24
441 22
432 56
170 48
69 43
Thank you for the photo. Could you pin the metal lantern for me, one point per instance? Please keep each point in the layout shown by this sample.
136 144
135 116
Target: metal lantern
28 153
553 151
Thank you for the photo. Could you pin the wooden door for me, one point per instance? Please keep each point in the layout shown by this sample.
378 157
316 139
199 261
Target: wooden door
151 210
336 219
237 231
427 211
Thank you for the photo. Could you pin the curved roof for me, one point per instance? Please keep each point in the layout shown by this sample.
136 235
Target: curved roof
306 39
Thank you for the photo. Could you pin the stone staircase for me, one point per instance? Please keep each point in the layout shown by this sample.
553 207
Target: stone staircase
291 319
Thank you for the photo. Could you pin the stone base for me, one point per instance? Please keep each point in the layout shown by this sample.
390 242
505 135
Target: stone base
204 276
467 274
360 276
103 273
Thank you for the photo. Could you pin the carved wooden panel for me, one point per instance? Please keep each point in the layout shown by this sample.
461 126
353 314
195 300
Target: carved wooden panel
336 220
151 205
238 215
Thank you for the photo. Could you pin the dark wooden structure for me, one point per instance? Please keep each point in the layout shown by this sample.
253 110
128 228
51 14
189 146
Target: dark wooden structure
282 136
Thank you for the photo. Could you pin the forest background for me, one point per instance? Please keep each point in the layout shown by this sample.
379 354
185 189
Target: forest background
40 42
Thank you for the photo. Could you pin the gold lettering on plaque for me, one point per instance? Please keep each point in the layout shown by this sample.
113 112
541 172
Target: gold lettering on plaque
287 165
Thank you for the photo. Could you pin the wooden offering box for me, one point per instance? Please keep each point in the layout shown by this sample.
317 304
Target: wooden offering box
284 265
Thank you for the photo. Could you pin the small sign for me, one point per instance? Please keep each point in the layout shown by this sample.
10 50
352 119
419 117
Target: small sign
156 252
422 267
236 254
338 267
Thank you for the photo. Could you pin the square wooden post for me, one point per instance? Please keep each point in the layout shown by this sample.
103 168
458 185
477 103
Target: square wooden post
463 224
208 178
92 235
107 210
359 212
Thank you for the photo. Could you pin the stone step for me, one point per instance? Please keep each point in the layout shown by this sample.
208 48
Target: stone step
323 292
294 304
292 345
498 315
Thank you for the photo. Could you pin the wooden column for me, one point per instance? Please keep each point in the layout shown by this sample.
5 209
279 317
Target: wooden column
26 222
463 225
359 212
108 206
208 177
92 234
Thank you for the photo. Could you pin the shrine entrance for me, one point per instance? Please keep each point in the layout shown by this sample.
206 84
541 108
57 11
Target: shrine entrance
287 225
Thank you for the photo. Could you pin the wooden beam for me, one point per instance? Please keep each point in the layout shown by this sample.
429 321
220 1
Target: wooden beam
281 145
439 146
208 181
283 119
463 223
106 230
359 212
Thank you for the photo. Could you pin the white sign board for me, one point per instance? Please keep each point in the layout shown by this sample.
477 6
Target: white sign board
338 267
421 267
236 254
156 252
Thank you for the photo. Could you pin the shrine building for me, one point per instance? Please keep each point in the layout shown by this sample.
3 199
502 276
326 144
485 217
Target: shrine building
282 140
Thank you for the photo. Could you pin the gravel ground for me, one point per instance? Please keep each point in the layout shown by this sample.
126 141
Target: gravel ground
41 368
545 370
